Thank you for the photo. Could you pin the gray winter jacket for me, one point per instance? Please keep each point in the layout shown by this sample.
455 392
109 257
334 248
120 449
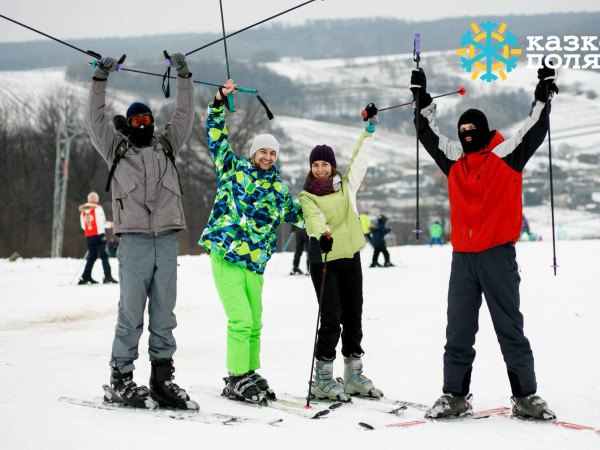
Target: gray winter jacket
146 197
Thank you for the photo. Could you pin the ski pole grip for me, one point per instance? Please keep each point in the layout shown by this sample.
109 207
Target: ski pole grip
121 61
167 58
94 54
417 50
230 100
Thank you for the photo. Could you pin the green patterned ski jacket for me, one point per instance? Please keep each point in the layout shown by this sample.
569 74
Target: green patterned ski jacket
250 204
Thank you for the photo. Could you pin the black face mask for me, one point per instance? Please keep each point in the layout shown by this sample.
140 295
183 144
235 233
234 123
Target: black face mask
479 140
141 137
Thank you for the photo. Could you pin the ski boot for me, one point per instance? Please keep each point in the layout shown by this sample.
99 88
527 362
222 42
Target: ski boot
164 390
324 386
89 280
531 407
375 265
450 406
355 383
296 271
389 264
109 279
242 388
123 389
262 384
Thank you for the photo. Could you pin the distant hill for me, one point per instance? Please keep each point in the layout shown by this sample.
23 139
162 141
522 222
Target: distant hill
315 40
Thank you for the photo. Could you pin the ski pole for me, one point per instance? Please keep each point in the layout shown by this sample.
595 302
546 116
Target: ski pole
461 91
230 95
548 98
248 27
416 59
79 268
312 362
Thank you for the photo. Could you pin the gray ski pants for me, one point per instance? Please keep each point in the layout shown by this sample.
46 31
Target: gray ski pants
147 270
495 273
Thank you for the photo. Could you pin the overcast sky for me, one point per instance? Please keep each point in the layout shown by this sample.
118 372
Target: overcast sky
71 19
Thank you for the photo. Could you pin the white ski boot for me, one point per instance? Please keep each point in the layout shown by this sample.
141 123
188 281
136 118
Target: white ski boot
355 383
324 386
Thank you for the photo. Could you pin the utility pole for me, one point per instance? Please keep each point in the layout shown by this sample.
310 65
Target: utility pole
65 134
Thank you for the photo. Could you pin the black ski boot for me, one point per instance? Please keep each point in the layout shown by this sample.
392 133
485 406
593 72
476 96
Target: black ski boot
109 279
531 407
123 389
262 384
164 390
450 406
242 388
89 280
296 271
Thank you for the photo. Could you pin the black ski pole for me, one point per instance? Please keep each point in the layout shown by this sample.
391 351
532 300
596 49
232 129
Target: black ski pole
461 91
416 59
230 95
248 27
312 361
548 98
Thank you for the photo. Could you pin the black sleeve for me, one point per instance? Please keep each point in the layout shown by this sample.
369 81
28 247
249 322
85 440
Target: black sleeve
443 152
517 150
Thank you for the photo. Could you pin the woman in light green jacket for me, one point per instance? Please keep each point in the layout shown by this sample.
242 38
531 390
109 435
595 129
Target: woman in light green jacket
336 238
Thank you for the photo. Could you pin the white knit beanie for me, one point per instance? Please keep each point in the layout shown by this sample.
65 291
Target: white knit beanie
264 141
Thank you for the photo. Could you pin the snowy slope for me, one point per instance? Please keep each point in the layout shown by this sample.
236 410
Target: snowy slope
55 340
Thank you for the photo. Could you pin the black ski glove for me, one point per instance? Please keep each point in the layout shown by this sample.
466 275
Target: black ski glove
547 77
418 87
178 61
105 67
326 242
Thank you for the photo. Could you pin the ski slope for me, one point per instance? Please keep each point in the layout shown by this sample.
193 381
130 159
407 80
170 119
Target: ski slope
55 340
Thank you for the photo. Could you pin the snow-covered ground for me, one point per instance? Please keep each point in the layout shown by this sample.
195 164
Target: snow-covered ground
55 340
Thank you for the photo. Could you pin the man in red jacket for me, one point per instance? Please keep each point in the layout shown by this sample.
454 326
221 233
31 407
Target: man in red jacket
484 188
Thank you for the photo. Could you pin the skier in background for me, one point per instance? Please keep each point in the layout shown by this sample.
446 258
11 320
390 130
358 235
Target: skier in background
378 231
436 232
301 239
93 222
241 235
485 189
329 204
365 222
147 210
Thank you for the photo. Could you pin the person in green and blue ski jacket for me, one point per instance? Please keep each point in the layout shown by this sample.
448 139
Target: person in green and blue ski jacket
241 235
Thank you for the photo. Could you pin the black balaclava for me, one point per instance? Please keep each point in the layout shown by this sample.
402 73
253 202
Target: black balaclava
481 135
141 137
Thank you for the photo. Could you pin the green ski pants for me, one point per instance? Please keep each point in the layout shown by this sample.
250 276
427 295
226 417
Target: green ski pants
240 291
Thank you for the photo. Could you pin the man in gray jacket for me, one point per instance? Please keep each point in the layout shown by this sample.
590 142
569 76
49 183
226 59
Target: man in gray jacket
147 212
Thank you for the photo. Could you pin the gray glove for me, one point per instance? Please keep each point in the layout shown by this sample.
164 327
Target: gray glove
105 67
180 64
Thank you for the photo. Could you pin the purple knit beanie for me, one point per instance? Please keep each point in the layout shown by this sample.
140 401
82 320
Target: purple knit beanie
323 153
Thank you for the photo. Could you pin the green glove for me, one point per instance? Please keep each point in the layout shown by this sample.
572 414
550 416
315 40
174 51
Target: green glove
105 67
180 64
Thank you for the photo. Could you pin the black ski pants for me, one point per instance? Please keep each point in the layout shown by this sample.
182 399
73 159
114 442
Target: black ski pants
494 273
96 246
341 308
301 246
377 251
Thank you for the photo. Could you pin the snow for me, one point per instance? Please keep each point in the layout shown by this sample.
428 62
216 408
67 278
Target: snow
56 340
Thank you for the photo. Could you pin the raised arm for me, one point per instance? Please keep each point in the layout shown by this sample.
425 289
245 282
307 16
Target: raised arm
218 145
179 128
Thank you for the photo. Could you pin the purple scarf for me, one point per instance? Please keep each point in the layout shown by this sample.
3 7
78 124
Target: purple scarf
323 186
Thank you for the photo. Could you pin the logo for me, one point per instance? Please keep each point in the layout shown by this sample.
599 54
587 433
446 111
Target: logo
488 51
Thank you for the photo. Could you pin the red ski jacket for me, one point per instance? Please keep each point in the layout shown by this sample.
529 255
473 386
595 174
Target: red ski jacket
485 187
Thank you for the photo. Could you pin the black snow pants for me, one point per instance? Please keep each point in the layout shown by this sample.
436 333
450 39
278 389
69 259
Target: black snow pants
341 310
494 273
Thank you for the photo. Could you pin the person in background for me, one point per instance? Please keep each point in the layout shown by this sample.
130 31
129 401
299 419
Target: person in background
436 232
379 230
485 177
336 238
93 222
301 246
365 222
147 209
113 245
241 235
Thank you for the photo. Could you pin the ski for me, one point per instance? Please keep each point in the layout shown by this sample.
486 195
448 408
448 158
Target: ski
394 409
558 423
175 414
283 405
478 415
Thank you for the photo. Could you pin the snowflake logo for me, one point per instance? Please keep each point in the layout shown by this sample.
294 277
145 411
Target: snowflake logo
492 46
